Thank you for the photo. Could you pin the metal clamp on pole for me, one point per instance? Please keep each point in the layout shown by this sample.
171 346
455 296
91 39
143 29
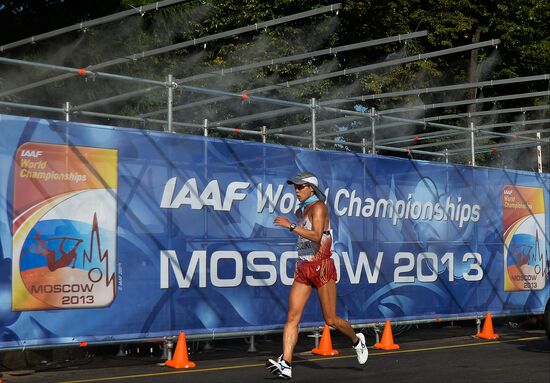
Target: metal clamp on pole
67 110
264 133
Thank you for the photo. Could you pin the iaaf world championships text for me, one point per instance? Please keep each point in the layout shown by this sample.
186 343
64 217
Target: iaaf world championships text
345 202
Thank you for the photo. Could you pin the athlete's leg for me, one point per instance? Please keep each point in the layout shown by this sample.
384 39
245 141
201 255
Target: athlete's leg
327 297
299 294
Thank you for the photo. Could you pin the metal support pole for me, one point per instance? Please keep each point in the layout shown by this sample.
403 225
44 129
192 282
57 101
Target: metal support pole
67 110
167 346
313 128
472 143
264 134
316 335
169 81
446 155
252 347
121 351
377 333
364 145
539 155
373 129
205 127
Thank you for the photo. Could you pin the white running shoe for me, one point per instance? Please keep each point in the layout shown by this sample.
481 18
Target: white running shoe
361 349
279 368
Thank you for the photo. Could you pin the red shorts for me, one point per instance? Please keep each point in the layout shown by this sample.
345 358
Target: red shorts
315 273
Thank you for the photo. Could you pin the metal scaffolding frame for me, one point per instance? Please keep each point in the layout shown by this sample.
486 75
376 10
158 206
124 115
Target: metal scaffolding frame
185 44
257 65
364 68
362 128
318 129
386 95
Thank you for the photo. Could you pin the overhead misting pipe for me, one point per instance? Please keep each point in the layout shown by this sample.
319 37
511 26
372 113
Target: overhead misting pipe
522 123
313 132
305 56
517 96
298 138
522 109
410 151
382 113
383 64
472 143
79 71
444 88
189 43
136 118
481 134
170 88
466 140
15 105
424 123
373 130
372 67
539 155
449 133
66 110
120 97
492 147
423 136
95 114
358 145
238 130
332 121
244 95
91 23
282 60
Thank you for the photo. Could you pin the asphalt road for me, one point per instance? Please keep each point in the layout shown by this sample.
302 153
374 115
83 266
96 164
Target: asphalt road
434 354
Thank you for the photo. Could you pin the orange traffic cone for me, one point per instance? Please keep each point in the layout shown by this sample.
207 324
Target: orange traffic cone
325 346
387 339
487 331
181 358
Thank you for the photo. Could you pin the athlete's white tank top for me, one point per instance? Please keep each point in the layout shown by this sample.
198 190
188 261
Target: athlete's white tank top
313 251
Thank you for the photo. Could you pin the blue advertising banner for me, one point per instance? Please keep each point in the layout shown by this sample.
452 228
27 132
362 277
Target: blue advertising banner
111 234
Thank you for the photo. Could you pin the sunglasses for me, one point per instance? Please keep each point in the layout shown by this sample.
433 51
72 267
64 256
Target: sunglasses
300 187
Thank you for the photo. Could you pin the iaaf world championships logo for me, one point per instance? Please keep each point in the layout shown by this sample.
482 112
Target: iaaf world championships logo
64 227
525 252
65 271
